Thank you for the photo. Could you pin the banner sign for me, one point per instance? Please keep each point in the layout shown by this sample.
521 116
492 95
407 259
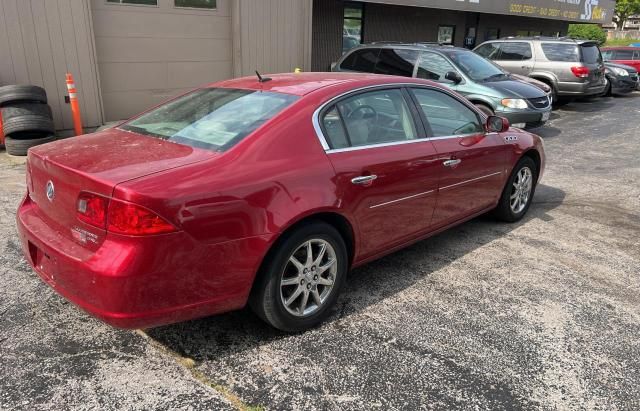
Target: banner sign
583 11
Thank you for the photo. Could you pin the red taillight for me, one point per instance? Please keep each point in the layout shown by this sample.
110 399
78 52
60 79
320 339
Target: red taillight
580 72
131 219
92 209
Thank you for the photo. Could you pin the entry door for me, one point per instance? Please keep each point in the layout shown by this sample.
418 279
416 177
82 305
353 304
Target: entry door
471 162
386 170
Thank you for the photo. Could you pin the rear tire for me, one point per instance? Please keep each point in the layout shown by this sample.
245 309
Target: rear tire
517 194
16 147
293 296
22 93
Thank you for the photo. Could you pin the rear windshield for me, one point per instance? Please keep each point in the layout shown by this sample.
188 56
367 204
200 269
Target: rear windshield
591 54
211 118
561 52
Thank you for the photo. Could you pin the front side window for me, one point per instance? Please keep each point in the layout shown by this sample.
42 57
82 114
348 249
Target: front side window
369 118
561 52
363 60
142 2
211 118
352 26
489 51
512 51
475 67
446 115
196 4
397 62
432 66
607 55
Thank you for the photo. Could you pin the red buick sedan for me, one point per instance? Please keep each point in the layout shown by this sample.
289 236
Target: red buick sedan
264 192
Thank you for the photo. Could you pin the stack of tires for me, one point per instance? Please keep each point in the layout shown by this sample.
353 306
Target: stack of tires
26 118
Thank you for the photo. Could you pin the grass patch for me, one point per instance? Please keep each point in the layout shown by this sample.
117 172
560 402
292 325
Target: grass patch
620 42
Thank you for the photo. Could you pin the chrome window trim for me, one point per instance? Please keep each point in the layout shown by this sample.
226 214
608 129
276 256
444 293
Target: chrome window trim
402 199
315 119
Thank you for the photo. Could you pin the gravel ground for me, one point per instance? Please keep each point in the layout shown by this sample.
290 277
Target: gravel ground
543 314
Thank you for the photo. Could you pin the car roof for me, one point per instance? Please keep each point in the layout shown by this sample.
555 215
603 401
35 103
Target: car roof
544 39
621 48
300 84
413 46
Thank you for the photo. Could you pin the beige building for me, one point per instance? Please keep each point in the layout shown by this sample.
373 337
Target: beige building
128 55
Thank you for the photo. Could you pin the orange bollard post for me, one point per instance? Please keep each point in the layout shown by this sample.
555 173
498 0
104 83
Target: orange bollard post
75 106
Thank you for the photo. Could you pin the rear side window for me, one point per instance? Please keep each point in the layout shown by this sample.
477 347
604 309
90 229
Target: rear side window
513 51
374 117
624 54
397 62
566 52
211 118
591 54
363 60
490 51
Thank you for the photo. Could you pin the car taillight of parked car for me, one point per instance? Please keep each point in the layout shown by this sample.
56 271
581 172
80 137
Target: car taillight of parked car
580 72
120 217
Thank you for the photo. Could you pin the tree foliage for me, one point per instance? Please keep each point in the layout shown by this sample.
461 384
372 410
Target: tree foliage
587 32
624 9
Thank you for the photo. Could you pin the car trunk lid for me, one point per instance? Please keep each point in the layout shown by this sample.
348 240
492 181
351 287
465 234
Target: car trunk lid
592 59
96 163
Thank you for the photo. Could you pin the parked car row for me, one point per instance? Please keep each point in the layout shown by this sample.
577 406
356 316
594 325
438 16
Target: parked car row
517 78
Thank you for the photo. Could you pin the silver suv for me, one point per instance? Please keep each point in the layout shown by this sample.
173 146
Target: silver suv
573 68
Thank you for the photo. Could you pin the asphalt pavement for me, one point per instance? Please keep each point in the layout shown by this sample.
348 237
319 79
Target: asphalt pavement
542 314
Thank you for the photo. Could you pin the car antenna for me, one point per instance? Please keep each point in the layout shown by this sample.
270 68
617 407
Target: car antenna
262 79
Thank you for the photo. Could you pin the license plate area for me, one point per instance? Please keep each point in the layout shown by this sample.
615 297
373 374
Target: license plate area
45 264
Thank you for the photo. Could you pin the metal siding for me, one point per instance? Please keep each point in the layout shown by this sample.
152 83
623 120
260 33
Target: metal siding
42 40
272 36
327 33
148 54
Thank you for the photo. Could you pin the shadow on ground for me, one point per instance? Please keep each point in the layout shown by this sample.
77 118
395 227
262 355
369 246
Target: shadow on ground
219 336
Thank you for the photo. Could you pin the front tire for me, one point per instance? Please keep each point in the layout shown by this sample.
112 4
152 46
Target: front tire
518 193
301 278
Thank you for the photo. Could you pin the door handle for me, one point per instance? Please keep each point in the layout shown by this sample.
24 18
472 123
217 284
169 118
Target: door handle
452 162
364 180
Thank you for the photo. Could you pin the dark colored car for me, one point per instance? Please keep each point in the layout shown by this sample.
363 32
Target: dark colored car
490 88
264 192
621 79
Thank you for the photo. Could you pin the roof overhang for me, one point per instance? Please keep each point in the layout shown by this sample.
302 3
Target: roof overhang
581 11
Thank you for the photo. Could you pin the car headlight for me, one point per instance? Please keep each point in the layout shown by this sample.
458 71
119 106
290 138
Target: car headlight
515 103
620 72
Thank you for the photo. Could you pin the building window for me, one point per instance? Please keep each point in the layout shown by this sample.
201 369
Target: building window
137 2
352 26
196 4
446 34
493 34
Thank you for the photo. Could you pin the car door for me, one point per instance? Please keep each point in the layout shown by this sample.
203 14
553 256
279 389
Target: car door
386 168
471 161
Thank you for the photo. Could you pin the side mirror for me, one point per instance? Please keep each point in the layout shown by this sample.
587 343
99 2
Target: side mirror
453 76
497 124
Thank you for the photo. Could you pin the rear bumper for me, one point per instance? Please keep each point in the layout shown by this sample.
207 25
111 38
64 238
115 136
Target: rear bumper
576 89
145 281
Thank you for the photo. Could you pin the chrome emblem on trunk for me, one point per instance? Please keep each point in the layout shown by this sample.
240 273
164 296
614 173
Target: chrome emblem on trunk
50 190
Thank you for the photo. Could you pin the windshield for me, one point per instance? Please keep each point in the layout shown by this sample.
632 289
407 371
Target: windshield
211 118
475 67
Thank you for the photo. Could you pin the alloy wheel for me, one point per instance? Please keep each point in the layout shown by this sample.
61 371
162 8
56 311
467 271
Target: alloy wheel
308 277
521 190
